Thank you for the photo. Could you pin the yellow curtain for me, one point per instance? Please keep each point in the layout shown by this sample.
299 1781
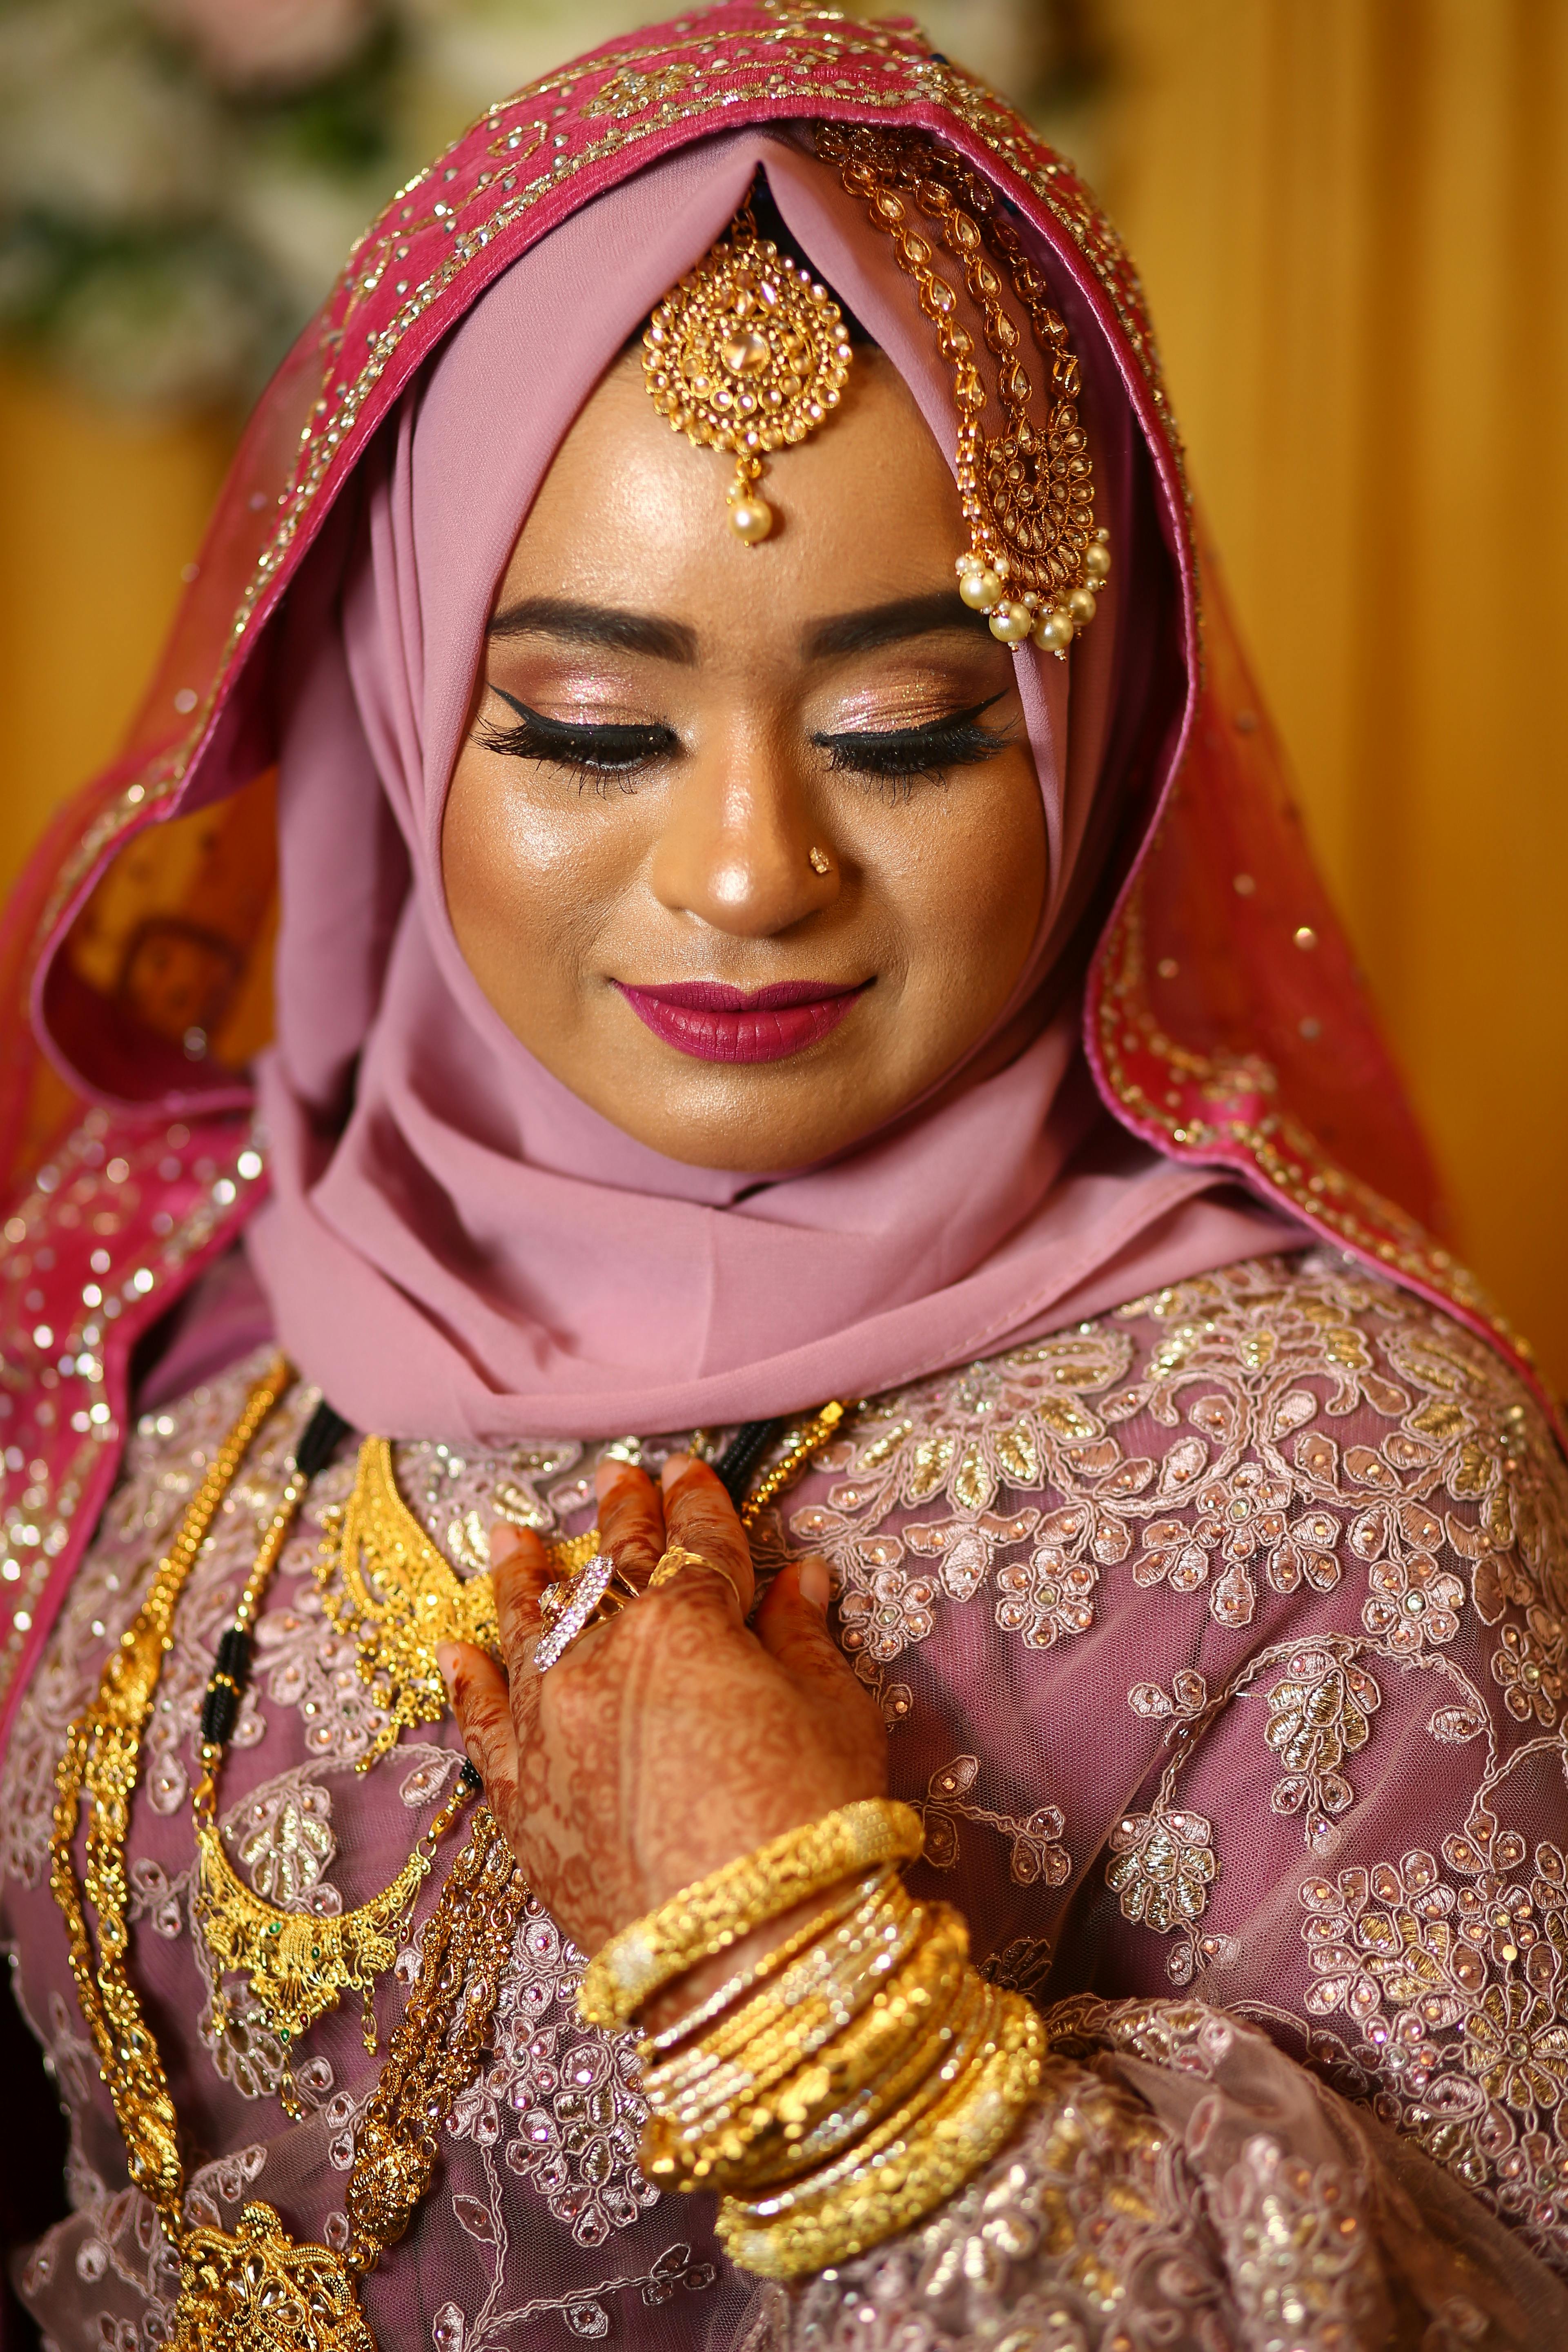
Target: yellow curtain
98 514
1353 219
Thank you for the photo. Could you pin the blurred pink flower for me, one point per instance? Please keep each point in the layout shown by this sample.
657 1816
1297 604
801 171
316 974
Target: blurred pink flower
268 44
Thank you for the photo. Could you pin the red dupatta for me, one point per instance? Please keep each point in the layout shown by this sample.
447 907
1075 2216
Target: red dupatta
1224 1020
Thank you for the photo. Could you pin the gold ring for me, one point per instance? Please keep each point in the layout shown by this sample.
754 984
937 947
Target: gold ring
673 1561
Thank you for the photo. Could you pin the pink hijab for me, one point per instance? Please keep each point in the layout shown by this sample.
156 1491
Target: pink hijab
476 1253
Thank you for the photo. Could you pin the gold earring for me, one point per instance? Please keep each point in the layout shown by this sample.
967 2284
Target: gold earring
748 355
820 860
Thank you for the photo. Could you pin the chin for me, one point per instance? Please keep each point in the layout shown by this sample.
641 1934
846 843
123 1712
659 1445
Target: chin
745 1132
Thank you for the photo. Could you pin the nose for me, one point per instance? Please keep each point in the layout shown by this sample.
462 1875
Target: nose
740 850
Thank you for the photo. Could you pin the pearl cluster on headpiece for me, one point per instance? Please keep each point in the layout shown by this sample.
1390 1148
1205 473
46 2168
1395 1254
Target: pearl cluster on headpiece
1051 623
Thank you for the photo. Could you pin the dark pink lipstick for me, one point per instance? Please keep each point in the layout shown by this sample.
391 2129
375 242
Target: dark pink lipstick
716 1024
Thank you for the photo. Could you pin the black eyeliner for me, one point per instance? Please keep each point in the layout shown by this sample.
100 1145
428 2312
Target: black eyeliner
588 747
958 741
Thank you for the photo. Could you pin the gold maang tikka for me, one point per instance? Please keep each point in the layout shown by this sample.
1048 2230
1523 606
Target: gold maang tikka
748 355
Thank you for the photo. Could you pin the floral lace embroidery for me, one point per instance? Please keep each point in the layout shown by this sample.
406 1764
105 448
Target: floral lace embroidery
1459 1999
1245 1368
1035 1853
568 2088
1283 1428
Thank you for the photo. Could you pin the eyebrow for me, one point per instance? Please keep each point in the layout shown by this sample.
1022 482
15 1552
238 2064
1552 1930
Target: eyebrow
891 625
597 625
625 632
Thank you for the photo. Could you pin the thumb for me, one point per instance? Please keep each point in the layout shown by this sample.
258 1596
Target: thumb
791 1626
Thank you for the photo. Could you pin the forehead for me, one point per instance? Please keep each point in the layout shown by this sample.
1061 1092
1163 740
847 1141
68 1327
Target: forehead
630 512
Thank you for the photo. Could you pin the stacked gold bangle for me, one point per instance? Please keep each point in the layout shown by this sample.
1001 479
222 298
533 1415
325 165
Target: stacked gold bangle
852 2081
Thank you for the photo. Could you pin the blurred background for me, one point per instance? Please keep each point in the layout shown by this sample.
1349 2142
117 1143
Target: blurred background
1352 217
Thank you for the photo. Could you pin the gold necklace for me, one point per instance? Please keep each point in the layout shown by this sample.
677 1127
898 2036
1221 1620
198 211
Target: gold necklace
257 2288
299 1965
397 1595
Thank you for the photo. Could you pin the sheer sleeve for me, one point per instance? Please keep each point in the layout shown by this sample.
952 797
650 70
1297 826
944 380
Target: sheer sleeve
1356 1835
1226 1638
1184 2184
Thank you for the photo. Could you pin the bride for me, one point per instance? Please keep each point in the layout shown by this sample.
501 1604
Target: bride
760 1589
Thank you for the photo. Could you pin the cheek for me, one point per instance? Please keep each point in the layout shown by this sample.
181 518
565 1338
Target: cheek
530 874
971 895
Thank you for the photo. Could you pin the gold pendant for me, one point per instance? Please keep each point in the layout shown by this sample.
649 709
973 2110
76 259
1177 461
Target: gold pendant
400 1596
256 2290
299 1965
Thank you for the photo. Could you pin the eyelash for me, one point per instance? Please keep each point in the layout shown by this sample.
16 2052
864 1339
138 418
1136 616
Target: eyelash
599 756
902 756
905 756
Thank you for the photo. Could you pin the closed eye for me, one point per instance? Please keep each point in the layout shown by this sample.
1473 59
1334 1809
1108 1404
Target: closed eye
958 741
592 749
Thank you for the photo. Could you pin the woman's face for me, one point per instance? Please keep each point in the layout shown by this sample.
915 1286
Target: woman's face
745 843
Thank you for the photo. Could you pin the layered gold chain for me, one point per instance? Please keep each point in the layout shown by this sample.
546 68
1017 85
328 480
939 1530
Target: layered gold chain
102 1753
257 2289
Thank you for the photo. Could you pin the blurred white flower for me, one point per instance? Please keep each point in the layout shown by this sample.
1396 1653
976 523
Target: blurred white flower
94 124
301 221
272 45
158 334
481 49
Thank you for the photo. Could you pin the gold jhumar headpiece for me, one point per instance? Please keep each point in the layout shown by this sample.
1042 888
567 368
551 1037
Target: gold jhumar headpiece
749 355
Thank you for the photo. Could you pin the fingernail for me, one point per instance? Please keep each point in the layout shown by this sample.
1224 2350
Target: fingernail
815 1584
676 1465
504 1542
446 1660
608 1474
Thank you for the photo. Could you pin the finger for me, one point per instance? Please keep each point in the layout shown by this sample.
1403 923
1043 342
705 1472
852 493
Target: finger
791 1626
520 1570
631 1518
699 1515
481 1703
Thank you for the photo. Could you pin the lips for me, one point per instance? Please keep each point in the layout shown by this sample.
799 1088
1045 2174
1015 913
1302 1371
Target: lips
715 1023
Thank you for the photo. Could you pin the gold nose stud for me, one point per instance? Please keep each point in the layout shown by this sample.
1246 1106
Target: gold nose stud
820 861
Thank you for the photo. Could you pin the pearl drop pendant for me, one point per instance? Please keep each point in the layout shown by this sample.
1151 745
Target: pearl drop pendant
750 519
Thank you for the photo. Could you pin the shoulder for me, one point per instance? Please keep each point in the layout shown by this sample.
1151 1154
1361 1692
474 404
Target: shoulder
1259 1434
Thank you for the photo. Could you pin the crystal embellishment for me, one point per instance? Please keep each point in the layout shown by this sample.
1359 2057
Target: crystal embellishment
567 1609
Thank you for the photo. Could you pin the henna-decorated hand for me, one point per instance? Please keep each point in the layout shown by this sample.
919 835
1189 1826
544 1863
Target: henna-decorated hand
673 1737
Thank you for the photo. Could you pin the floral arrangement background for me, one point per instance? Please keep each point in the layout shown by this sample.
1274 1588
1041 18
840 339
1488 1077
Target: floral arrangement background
180 180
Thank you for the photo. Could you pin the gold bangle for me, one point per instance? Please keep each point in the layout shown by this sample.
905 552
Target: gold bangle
874 2196
771 2129
881 1920
668 2046
782 2029
706 1918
